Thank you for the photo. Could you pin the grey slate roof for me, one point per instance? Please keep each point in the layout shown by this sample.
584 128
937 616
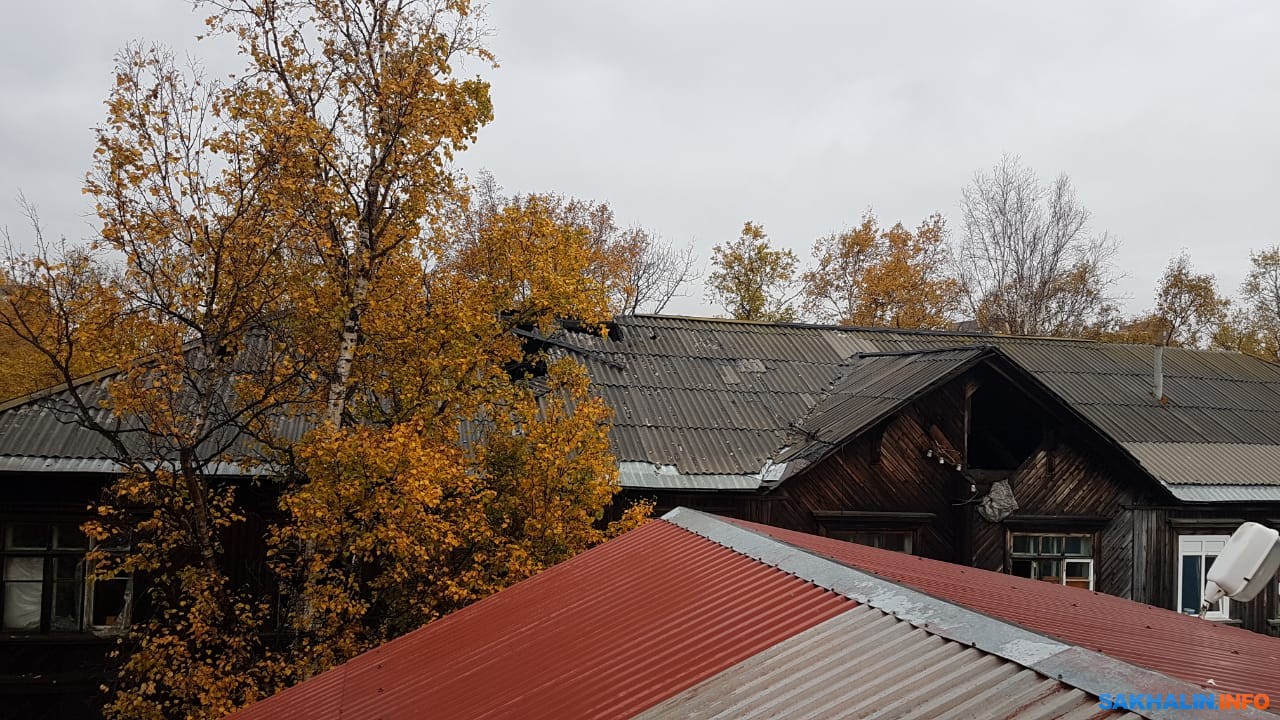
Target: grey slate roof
710 404
40 434
722 397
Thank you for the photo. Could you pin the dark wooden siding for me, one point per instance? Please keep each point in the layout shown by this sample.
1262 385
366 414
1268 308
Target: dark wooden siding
1062 481
886 470
1156 532
1071 483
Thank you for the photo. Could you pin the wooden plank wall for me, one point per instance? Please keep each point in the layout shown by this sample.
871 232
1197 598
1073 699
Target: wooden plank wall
1156 531
896 478
1060 479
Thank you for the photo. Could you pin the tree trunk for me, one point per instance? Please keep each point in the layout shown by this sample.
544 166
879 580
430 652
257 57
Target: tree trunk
337 399
199 512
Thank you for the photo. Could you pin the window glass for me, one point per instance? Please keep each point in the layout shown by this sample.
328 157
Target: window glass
1191 587
68 536
68 600
68 568
23 583
45 585
1078 573
1196 554
885 540
23 536
1050 545
896 540
1045 556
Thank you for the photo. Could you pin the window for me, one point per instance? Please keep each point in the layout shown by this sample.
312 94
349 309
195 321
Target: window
1065 559
1196 554
46 587
896 531
896 540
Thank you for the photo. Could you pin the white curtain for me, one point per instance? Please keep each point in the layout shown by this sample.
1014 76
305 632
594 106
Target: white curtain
22 599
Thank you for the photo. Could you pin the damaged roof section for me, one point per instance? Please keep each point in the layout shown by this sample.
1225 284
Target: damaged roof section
704 404
727 398
870 388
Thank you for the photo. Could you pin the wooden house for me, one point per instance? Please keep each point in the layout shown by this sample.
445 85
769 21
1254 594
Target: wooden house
1043 457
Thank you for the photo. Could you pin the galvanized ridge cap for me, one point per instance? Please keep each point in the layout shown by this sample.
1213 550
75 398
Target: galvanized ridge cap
939 616
69 463
1086 670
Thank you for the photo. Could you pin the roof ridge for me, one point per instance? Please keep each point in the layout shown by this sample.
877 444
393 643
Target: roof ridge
862 328
945 333
926 351
1084 669
52 390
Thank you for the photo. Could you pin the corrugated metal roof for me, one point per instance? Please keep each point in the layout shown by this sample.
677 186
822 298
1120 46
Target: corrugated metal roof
1198 651
694 616
1209 463
103 465
866 661
1226 493
43 435
666 477
607 634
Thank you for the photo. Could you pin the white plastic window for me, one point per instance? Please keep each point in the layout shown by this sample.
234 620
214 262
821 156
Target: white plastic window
1196 554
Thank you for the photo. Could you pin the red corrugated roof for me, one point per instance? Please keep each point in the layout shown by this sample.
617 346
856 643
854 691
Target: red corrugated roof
611 632
1177 645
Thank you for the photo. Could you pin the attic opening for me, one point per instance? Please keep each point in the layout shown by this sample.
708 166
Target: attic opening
1004 428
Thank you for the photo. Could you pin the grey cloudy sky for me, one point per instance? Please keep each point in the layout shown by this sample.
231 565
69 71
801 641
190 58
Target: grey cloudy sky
692 116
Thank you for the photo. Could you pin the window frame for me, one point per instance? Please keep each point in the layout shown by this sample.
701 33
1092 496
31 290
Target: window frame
1061 556
1224 612
843 524
50 555
849 535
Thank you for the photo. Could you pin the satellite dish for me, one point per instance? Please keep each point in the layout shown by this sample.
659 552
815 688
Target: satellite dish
1246 565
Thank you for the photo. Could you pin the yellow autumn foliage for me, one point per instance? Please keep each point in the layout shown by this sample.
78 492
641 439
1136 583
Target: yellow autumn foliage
292 249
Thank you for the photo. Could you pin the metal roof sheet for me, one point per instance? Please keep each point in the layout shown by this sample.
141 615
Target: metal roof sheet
1198 651
41 434
666 477
1210 463
695 616
717 397
1211 397
606 634
1226 493
870 387
866 660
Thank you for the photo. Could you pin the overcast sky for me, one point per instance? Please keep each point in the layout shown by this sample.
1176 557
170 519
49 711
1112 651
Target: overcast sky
691 116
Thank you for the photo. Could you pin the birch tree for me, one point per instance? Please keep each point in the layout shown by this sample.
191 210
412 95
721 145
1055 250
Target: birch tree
1189 309
280 251
1256 328
1027 256
172 297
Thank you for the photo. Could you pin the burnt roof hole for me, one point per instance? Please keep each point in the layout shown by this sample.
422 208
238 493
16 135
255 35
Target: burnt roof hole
1004 428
